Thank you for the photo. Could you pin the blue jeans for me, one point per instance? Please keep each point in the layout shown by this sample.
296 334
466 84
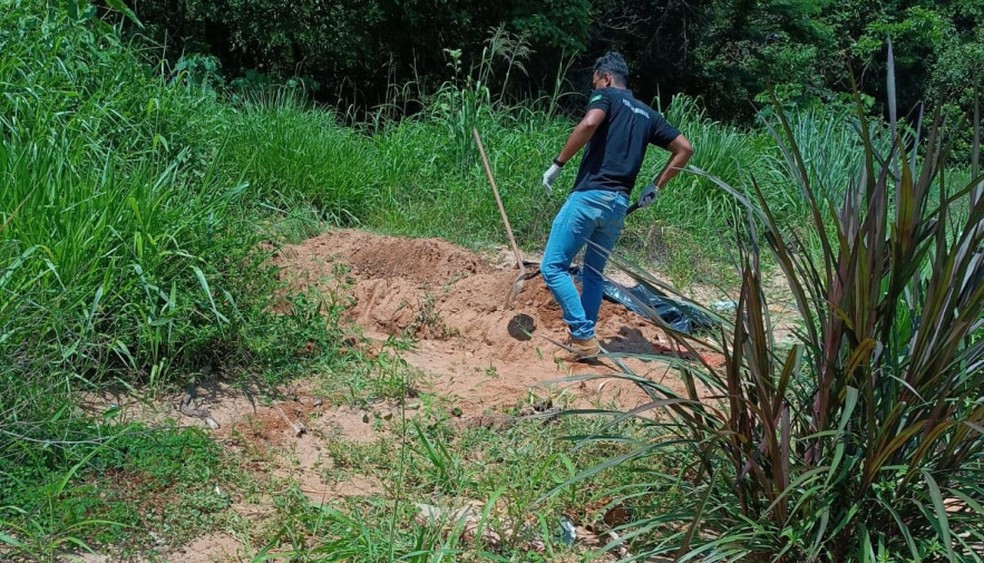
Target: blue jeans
595 218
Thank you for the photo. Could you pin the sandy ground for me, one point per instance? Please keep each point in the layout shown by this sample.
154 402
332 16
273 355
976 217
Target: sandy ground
452 303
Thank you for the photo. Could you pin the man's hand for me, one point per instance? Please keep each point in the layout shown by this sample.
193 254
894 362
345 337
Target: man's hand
648 196
550 176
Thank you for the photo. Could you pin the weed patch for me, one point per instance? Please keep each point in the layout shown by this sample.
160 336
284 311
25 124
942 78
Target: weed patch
124 489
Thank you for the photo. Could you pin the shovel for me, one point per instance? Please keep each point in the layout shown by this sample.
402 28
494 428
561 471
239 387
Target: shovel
518 284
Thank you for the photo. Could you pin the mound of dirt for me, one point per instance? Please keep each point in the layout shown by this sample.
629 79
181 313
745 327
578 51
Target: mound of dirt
452 302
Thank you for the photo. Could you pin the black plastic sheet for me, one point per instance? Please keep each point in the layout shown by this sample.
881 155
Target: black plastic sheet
681 317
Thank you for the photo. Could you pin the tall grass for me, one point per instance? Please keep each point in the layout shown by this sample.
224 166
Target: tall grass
831 147
125 249
111 265
292 154
431 191
113 220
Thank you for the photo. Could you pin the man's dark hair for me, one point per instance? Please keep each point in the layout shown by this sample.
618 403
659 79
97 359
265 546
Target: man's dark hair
613 63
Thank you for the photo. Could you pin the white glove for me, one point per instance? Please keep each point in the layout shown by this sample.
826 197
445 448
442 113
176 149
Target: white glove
550 176
648 196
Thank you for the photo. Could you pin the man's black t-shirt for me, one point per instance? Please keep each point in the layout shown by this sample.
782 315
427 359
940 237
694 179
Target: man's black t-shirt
614 154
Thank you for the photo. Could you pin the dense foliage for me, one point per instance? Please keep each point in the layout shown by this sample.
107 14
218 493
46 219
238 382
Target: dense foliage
727 53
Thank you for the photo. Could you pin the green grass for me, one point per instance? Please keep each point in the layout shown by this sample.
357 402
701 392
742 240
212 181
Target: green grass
103 483
138 211
292 156
115 224
126 254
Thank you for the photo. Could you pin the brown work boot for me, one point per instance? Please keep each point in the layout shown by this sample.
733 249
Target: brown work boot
578 350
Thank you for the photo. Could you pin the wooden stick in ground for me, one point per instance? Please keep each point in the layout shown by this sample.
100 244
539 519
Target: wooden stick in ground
518 284
297 428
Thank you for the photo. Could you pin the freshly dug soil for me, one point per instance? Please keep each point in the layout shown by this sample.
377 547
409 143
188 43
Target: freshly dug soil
452 302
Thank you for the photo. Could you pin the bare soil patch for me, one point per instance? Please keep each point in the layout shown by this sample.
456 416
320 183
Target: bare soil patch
451 301
214 547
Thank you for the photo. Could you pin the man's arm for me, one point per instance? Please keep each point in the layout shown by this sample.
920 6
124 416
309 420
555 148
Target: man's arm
582 133
680 152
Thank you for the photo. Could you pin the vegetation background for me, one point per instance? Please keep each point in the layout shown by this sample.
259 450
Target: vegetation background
351 54
152 151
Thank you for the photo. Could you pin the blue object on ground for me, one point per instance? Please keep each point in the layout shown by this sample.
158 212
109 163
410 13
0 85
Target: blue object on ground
567 533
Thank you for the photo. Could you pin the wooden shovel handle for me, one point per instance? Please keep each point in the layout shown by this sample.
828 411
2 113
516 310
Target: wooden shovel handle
498 200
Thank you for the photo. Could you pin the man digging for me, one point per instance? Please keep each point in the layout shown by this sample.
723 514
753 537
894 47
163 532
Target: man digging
617 130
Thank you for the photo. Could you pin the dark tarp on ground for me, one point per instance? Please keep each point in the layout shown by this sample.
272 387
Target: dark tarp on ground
681 317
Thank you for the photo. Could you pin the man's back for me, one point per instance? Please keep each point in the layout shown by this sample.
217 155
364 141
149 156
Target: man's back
614 155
